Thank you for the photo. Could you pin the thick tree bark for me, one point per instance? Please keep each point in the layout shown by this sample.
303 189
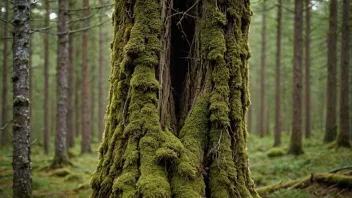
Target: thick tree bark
101 108
331 127
343 136
71 129
307 107
4 92
261 114
296 135
21 162
46 81
199 148
277 136
86 130
60 158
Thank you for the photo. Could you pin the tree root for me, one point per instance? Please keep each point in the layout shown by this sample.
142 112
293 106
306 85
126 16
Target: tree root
341 180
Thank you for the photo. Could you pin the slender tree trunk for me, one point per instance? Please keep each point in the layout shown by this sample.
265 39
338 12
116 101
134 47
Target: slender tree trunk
92 103
71 129
60 158
343 136
202 154
296 135
307 109
331 127
277 136
4 92
21 160
250 120
261 119
78 95
101 108
46 81
86 130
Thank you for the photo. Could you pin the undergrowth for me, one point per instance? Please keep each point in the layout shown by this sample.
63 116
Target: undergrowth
265 171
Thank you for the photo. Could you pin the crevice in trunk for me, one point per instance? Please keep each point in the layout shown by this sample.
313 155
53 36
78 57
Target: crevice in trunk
182 32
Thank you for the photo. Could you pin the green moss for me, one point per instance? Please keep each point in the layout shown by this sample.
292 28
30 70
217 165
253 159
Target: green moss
73 178
276 152
188 180
62 172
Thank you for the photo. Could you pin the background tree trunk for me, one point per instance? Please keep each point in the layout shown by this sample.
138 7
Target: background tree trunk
198 149
101 93
277 135
307 107
86 129
296 135
21 162
60 158
250 120
343 137
261 119
71 129
4 92
331 128
46 81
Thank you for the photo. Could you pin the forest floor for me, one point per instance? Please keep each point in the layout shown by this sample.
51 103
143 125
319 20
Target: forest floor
73 181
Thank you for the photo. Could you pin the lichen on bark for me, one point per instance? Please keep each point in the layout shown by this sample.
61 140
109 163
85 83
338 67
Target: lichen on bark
198 150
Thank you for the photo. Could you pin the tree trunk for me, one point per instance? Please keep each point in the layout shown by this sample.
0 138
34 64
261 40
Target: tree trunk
277 136
296 135
101 108
307 107
21 162
250 120
78 94
46 81
343 136
71 129
86 130
60 158
4 93
331 127
261 119
198 149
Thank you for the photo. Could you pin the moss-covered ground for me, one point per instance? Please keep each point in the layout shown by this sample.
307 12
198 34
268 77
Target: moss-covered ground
318 157
73 181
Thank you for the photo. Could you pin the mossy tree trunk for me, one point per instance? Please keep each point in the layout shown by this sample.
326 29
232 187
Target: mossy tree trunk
296 135
175 123
343 136
60 158
21 155
330 126
277 135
